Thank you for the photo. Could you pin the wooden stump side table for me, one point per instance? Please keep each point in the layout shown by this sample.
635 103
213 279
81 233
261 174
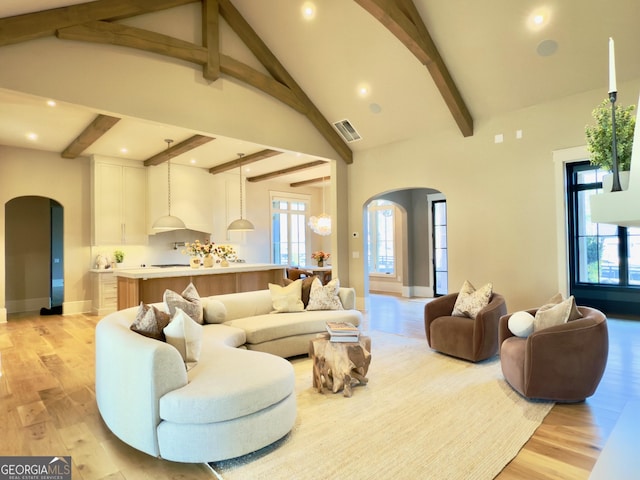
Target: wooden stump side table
339 365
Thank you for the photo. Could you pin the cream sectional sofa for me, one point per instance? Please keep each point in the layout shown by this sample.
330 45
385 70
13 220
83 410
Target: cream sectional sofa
232 402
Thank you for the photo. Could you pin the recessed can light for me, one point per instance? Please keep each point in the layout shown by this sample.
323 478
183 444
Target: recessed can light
32 136
308 10
124 150
51 103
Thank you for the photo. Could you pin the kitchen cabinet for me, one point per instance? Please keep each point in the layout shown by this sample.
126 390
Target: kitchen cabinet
119 194
104 292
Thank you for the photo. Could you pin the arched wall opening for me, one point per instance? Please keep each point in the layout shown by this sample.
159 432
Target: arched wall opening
34 262
413 272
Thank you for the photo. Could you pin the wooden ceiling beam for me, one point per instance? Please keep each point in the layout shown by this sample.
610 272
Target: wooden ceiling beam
251 39
133 37
245 160
178 149
403 20
285 171
30 26
96 129
309 182
211 39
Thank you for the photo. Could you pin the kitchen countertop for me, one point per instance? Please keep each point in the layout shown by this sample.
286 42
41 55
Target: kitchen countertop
166 272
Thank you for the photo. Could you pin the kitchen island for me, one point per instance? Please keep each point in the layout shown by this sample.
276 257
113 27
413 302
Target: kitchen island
148 284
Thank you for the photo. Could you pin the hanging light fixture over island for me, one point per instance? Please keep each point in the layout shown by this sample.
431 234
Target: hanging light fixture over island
241 224
168 222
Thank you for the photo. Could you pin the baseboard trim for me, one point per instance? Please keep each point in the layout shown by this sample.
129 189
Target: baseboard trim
417 291
73 308
26 305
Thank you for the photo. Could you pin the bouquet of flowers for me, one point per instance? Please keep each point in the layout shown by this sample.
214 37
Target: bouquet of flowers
197 249
225 251
320 256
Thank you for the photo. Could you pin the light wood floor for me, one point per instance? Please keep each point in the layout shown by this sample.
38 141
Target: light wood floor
47 400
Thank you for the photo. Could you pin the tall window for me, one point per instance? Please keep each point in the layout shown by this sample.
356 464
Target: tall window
381 237
440 257
288 229
604 259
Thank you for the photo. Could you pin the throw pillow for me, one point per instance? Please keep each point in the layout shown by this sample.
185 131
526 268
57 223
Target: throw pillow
214 311
186 336
521 324
325 297
306 287
150 322
470 301
189 301
287 299
551 315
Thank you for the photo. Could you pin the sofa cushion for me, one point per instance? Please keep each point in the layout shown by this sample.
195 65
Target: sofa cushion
325 297
228 383
287 299
551 315
214 311
189 302
246 304
186 335
150 322
264 328
470 301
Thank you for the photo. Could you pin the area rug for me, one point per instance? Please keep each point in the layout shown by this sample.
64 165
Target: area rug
422 415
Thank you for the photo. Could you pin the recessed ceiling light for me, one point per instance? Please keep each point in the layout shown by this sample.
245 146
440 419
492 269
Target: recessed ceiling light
364 90
51 103
32 136
375 108
124 150
194 161
539 18
308 10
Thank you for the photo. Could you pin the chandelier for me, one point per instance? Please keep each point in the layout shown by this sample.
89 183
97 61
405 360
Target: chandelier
321 224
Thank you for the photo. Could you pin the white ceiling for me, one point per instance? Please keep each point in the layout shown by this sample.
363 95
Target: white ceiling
491 55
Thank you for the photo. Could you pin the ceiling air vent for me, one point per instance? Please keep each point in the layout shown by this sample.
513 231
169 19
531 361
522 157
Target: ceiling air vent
347 131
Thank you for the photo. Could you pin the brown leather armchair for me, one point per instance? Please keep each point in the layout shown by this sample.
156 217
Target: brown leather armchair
563 363
463 337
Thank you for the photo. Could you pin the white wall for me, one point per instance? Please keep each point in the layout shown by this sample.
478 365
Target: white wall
32 172
501 198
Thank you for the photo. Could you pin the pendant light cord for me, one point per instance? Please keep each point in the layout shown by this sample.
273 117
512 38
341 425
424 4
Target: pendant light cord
240 167
169 141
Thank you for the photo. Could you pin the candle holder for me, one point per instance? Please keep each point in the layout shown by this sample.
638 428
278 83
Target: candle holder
616 187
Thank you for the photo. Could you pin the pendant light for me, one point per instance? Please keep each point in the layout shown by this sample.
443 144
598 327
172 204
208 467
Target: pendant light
168 222
322 223
241 224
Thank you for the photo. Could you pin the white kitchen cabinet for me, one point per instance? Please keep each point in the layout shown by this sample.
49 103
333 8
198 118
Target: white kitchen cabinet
119 202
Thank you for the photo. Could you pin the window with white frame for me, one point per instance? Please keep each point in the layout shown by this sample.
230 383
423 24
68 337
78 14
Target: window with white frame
381 232
289 215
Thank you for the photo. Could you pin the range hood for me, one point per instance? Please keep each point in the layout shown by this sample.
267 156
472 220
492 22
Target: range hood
622 208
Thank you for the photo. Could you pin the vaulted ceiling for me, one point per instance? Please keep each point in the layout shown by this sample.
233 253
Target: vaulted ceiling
394 69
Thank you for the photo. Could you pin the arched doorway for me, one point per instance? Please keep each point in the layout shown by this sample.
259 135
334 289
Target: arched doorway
414 248
34 268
